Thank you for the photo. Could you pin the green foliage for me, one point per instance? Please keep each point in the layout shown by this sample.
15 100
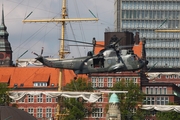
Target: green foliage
4 99
172 115
80 84
77 108
130 101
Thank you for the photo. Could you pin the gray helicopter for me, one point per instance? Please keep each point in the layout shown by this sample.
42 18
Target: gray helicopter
110 59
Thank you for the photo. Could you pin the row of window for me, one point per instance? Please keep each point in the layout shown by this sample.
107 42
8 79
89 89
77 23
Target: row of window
99 81
39 112
39 99
97 113
156 100
163 62
149 14
159 5
156 90
164 52
152 24
163 45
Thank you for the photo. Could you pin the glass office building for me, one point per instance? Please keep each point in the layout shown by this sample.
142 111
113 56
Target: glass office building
145 16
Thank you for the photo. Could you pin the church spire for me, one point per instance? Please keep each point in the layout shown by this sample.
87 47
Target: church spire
2 15
3 28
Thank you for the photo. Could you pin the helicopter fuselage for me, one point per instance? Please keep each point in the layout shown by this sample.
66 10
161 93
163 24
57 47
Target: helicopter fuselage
108 61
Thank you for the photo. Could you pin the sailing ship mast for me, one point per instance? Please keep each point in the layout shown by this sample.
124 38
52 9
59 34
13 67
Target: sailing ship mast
63 20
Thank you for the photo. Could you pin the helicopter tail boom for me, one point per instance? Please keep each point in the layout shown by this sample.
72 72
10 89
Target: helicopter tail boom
44 61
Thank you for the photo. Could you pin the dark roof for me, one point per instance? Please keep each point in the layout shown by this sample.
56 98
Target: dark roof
12 113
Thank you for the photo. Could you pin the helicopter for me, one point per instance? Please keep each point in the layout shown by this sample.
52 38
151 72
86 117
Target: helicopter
110 59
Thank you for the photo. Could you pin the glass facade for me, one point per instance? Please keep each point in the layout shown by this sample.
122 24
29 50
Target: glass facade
145 16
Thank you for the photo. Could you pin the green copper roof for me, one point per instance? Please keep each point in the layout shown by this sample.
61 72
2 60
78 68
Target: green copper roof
114 98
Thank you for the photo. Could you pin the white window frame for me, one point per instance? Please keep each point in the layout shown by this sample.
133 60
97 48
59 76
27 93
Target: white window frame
48 112
109 82
165 90
93 79
31 111
98 113
30 99
40 98
48 99
21 100
118 79
147 90
100 82
39 112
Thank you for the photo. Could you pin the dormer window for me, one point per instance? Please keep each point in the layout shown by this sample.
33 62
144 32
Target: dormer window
41 80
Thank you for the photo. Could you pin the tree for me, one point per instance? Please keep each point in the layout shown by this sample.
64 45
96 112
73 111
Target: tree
4 98
129 102
170 115
77 108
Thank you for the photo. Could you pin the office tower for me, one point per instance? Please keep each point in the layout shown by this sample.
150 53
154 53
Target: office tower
146 16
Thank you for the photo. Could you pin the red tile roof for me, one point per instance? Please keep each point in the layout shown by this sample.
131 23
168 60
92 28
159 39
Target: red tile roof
28 75
5 78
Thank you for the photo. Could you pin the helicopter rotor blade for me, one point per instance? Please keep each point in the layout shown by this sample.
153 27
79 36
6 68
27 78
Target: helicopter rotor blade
42 50
35 53
82 42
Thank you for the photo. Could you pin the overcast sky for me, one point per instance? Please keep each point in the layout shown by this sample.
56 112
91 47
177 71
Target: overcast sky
34 36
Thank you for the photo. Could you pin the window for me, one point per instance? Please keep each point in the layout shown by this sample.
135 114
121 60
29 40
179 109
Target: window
48 99
21 100
40 84
39 113
171 76
31 111
162 100
118 79
40 98
100 82
151 90
147 90
165 90
30 98
159 76
167 76
149 101
160 90
97 113
175 76
21 108
100 100
156 90
48 112
110 82
94 82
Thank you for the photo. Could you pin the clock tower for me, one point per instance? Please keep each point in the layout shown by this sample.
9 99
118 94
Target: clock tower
5 46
